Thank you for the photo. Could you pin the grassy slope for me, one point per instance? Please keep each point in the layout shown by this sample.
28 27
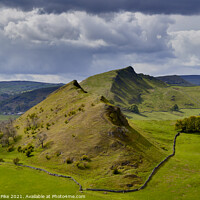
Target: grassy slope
24 181
177 179
162 99
109 143
6 117
159 115
123 86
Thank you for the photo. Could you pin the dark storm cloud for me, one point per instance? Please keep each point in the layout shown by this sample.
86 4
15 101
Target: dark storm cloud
187 7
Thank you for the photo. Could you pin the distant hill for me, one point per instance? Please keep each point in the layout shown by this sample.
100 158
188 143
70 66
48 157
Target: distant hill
175 80
87 138
24 101
122 87
194 79
19 96
16 87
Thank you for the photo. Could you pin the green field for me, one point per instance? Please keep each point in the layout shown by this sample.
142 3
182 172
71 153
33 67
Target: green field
6 117
158 115
178 179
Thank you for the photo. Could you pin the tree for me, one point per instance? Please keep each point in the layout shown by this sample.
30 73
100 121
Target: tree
16 161
42 137
188 125
134 108
175 108
7 130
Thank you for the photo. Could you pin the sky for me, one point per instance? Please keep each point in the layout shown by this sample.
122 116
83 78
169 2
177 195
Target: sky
62 40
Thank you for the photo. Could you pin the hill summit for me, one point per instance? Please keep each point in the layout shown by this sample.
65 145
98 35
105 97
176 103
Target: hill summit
121 87
85 136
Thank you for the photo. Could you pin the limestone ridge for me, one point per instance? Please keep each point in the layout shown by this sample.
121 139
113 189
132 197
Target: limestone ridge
122 87
71 85
127 86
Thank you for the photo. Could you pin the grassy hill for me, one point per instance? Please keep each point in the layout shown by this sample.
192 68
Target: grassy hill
163 99
122 87
175 80
87 137
24 101
16 87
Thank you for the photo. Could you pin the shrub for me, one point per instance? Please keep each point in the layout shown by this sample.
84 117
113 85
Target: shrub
10 149
30 147
58 153
69 161
66 121
115 171
73 112
16 161
175 108
28 153
81 109
82 165
19 149
86 158
17 127
48 157
133 108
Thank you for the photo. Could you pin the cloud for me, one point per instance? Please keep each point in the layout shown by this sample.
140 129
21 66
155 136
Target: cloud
76 44
185 7
80 43
187 47
47 78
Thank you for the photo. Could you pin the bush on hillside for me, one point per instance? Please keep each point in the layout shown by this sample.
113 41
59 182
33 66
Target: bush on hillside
69 161
175 108
86 158
10 148
82 165
48 157
116 171
19 149
133 108
16 161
